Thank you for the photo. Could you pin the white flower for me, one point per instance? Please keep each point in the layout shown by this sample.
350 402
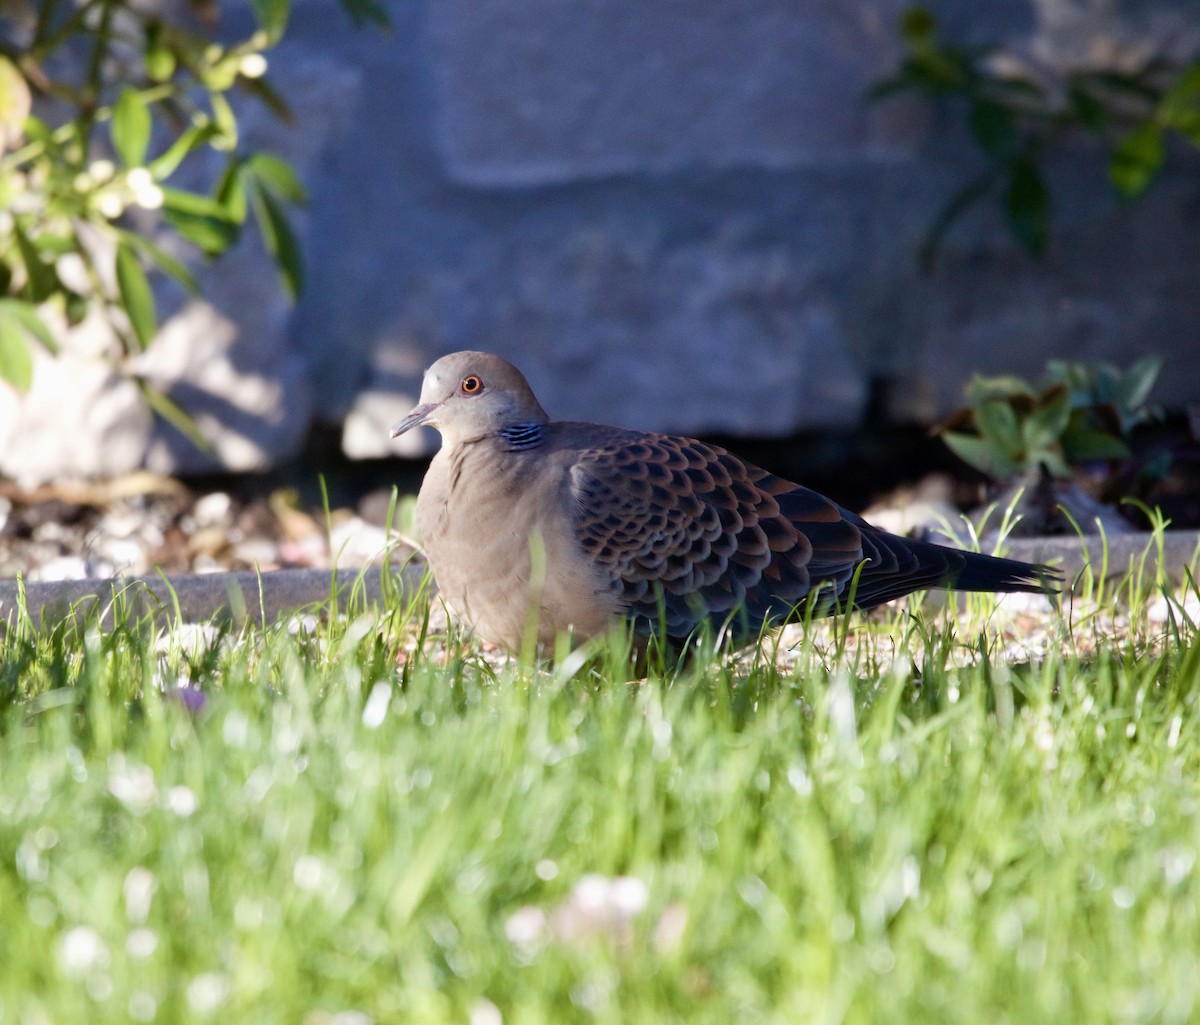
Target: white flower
82 949
253 65
484 1012
308 872
139 178
141 943
140 885
182 801
142 1006
149 198
207 992
525 926
375 710
101 170
132 785
110 204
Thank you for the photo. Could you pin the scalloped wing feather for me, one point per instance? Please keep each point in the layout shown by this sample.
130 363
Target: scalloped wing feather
689 532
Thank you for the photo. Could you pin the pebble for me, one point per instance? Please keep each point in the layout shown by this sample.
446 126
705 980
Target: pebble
212 509
125 555
61 567
1181 609
256 552
355 542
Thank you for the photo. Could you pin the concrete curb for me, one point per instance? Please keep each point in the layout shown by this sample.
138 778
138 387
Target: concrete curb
1180 551
250 597
240 597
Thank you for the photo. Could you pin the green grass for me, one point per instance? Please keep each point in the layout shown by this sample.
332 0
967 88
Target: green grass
903 825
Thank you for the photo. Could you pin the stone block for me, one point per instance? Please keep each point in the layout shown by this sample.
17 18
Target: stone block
550 91
672 215
1117 284
80 419
619 324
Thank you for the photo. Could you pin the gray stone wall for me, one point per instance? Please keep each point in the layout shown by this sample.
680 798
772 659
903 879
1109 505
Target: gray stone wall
679 215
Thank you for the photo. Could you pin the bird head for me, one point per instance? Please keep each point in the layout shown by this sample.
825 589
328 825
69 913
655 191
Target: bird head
470 395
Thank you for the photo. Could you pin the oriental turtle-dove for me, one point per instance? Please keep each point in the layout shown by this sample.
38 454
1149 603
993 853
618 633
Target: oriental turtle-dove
535 527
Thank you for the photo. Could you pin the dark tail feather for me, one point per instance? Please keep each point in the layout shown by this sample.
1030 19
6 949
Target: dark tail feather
988 573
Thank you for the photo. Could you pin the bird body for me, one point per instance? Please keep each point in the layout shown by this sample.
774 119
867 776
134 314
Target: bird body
534 527
503 558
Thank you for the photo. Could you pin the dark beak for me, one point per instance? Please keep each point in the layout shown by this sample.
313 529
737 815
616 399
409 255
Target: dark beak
414 419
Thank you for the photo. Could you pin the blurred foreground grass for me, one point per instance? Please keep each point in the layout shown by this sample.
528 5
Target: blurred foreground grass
338 821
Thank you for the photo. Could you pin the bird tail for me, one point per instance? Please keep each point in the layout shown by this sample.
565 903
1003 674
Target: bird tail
989 573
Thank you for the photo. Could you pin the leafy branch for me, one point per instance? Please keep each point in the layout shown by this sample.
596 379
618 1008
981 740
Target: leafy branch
1016 113
102 103
1079 414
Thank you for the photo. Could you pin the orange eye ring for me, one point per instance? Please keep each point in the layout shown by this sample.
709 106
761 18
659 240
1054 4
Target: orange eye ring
472 384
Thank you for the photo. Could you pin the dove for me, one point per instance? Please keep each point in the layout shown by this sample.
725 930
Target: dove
535 528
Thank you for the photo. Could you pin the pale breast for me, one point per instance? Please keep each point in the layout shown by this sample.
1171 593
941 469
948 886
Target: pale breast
497 530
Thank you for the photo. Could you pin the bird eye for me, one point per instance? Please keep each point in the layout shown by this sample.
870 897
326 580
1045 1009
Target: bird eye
471 385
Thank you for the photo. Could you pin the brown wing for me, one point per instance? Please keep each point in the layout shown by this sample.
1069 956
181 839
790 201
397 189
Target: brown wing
690 533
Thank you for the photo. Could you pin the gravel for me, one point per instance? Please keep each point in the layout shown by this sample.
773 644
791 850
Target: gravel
136 527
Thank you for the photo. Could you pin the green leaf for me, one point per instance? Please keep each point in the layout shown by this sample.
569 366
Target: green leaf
41 277
194 203
36 130
261 90
131 128
15 99
997 422
280 240
1044 427
1180 106
159 58
220 75
944 71
1181 102
162 260
1187 124
173 413
1082 445
976 452
918 26
16 364
1009 88
160 63
164 165
53 244
137 298
367 12
272 17
1027 204
994 128
225 122
1138 382
1055 464
76 307
33 325
231 190
199 219
1092 114
1002 386
1131 88
1137 159
277 176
